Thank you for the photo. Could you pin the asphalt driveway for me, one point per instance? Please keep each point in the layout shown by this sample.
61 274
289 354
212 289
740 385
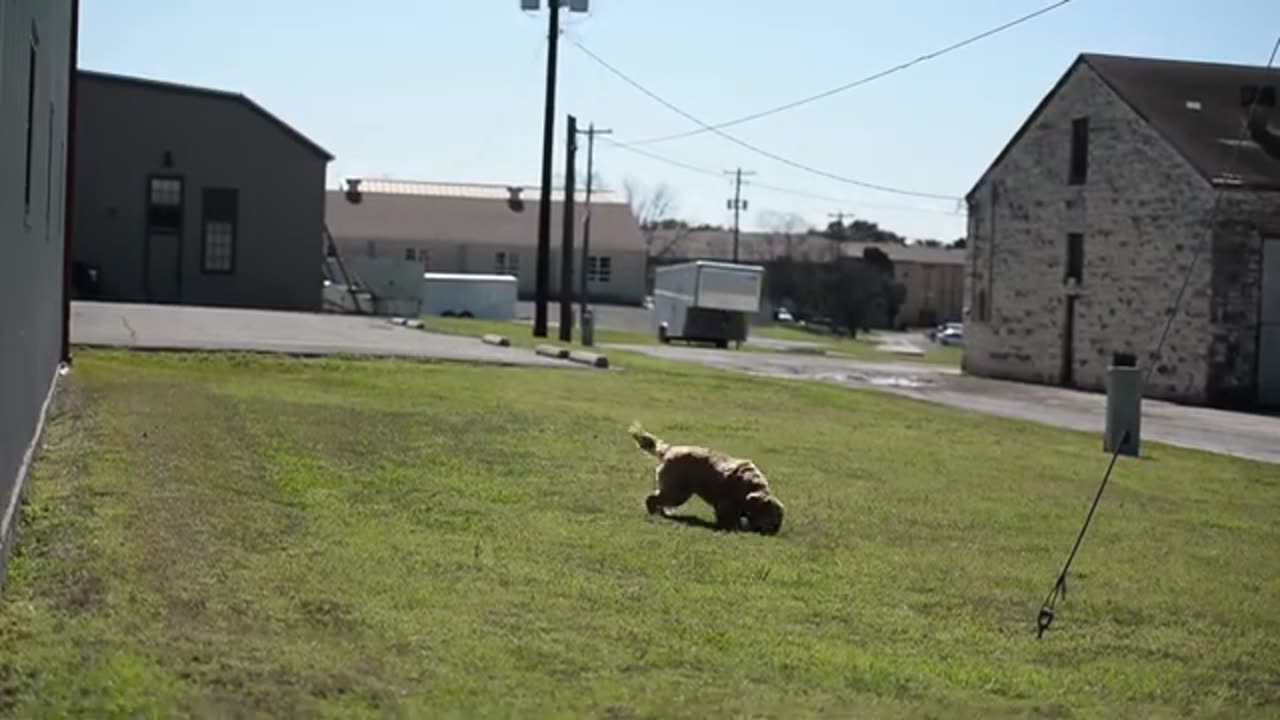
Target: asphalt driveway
180 327
1243 435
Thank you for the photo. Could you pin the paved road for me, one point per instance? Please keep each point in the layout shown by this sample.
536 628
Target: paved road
631 318
1244 435
175 327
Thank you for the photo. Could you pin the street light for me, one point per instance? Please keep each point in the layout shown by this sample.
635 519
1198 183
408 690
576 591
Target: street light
543 278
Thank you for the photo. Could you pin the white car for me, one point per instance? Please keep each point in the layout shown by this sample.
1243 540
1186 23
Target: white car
952 335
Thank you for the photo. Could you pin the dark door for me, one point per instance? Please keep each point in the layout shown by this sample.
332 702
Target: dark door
1068 342
1269 332
162 271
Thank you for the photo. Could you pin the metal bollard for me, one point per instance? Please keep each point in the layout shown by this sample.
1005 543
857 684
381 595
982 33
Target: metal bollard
588 327
1124 407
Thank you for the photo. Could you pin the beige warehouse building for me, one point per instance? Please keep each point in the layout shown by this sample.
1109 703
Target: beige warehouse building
480 228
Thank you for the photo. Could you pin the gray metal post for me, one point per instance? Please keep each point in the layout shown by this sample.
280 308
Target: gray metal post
1124 408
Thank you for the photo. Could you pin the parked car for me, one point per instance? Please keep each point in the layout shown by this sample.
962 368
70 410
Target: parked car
936 333
952 336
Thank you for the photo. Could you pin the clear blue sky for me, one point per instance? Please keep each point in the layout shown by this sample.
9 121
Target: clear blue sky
451 90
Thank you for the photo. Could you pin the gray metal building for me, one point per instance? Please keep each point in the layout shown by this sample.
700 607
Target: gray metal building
195 196
37 53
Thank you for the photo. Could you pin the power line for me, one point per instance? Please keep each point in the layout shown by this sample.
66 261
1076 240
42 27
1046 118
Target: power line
1047 608
631 148
856 83
753 148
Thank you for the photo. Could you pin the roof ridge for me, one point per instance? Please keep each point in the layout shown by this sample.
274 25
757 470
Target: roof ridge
216 93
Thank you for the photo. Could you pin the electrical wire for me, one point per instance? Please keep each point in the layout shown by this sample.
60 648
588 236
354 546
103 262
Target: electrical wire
630 147
856 83
1047 609
748 146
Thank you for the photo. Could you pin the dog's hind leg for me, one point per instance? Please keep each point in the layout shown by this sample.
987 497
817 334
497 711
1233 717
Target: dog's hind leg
668 494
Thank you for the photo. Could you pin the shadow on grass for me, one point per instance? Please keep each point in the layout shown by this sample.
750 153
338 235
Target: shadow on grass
695 521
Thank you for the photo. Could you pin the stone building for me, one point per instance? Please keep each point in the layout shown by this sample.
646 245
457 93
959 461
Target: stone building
1130 174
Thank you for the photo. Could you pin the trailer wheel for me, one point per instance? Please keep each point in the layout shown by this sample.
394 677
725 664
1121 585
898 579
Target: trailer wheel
662 334
722 344
448 313
465 314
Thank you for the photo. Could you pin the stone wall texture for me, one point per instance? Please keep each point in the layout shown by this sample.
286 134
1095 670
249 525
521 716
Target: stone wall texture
1144 213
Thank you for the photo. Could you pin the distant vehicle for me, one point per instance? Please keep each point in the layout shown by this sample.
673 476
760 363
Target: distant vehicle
952 335
705 301
936 333
783 315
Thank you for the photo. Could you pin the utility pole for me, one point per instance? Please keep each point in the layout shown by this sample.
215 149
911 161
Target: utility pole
566 247
737 205
839 217
543 277
585 319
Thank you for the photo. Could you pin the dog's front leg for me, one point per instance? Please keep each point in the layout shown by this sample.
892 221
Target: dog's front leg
729 514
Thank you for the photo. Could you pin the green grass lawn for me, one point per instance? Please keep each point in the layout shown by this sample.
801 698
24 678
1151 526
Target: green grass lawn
863 348
226 536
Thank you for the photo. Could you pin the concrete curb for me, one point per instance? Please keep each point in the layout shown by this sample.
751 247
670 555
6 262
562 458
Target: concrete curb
589 358
498 340
552 351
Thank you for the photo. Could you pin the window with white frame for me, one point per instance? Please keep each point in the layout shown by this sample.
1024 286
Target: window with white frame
599 269
506 263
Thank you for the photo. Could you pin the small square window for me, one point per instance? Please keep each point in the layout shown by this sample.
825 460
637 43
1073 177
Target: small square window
506 263
599 269
410 254
166 192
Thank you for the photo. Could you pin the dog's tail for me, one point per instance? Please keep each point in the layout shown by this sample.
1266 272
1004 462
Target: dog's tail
647 441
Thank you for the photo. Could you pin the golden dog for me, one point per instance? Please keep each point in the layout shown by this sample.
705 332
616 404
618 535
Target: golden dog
734 487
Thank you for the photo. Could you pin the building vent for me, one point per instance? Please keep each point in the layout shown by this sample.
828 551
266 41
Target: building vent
514 201
353 190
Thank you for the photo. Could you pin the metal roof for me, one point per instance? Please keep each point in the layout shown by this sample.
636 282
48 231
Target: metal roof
478 191
223 95
409 213
1196 107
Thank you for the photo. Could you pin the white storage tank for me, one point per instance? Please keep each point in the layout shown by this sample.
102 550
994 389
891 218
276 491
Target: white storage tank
489 297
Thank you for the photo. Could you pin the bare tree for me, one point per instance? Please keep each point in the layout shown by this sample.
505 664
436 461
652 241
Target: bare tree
652 209
783 229
649 205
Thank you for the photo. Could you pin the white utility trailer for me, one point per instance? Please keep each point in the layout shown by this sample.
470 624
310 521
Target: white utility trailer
491 297
706 301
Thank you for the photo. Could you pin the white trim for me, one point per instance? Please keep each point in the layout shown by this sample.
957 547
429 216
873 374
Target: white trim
24 469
